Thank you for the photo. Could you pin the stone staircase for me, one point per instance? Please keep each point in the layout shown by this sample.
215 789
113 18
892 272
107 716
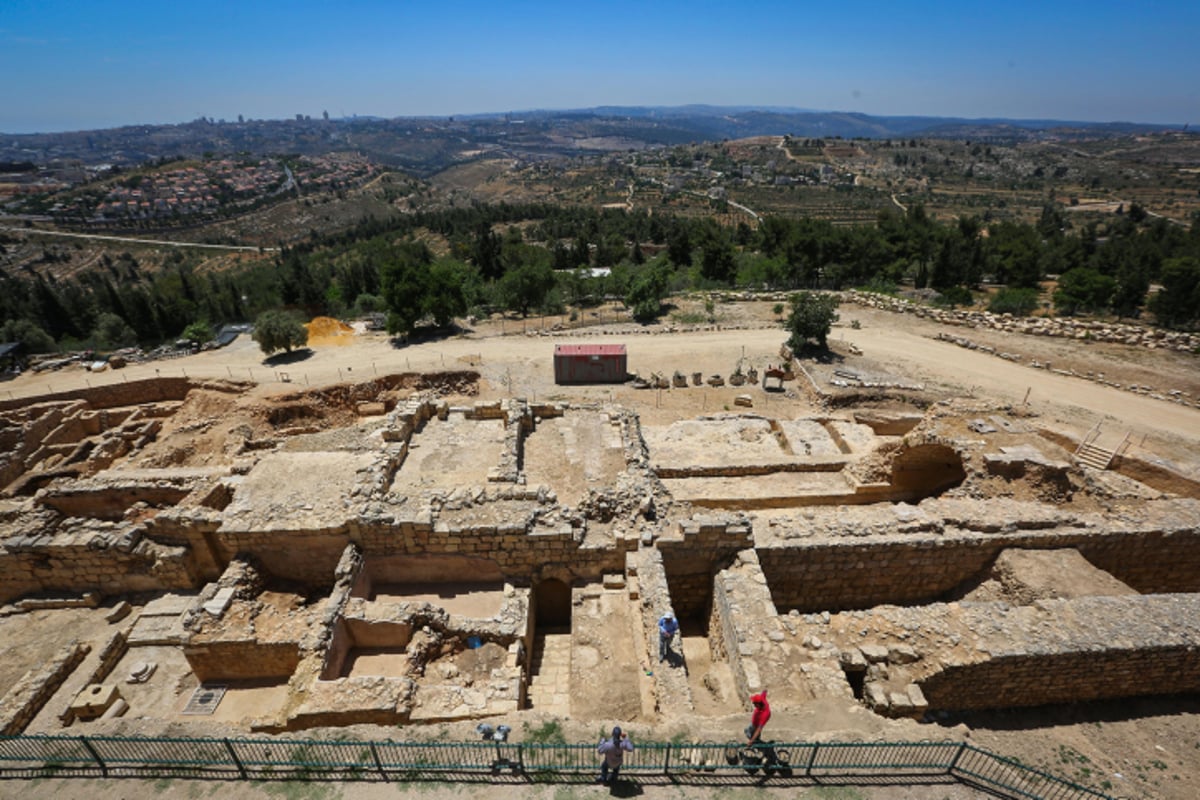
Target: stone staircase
550 672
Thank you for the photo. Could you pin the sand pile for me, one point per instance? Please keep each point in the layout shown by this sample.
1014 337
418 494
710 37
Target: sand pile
327 332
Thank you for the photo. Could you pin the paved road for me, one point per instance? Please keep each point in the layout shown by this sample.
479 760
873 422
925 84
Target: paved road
135 240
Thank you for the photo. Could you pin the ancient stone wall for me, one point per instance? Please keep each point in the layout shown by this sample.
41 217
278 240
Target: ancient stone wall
27 696
1039 679
24 431
742 607
247 659
110 499
672 690
68 563
192 528
857 571
128 393
1063 327
1096 648
693 552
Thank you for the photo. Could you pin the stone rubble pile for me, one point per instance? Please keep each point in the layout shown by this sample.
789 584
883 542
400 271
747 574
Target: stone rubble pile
1058 327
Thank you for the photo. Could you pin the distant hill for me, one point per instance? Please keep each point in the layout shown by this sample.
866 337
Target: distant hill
427 145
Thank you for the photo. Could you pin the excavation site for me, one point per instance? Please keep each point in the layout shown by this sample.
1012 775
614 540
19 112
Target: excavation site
197 556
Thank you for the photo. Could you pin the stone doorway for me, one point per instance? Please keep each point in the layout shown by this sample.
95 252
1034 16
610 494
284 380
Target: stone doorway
552 606
550 661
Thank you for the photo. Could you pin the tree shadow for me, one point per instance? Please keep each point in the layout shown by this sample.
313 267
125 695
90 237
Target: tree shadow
294 357
821 355
426 334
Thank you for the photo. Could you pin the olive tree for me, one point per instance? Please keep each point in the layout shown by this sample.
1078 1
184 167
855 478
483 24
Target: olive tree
279 330
812 317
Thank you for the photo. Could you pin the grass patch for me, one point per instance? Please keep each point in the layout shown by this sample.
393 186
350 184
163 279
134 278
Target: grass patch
549 732
689 318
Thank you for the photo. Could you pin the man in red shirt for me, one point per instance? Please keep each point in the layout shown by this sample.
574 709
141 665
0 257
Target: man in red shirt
758 719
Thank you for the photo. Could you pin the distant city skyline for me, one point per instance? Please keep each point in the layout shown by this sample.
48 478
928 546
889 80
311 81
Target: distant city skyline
83 65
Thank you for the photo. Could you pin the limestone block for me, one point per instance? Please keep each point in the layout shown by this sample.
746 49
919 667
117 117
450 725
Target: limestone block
874 653
94 700
876 697
916 698
852 660
899 704
902 654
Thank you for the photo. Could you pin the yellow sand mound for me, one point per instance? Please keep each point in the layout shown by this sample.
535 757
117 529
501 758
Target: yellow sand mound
327 331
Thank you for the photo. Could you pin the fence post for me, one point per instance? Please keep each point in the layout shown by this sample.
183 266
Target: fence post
812 757
378 763
237 761
95 755
521 760
667 761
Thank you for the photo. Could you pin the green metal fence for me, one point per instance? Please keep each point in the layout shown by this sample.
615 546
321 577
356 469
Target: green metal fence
270 758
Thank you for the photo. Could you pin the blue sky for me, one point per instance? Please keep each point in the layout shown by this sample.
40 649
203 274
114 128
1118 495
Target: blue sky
76 65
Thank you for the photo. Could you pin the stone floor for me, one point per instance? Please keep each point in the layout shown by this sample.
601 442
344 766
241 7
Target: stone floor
550 684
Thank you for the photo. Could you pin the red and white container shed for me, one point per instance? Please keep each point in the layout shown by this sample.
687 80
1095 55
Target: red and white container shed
590 363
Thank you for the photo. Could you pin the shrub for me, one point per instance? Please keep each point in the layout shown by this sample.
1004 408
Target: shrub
1018 302
955 296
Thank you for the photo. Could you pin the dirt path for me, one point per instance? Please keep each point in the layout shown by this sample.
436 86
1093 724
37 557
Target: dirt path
980 374
135 240
128 789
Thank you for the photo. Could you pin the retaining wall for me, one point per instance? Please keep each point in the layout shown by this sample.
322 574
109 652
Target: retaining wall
1095 648
861 572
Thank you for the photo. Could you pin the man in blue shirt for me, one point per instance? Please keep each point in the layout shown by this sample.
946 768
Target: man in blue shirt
668 626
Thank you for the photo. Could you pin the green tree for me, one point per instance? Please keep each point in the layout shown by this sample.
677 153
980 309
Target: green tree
1177 305
1017 251
812 318
1018 302
368 303
1083 289
112 332
279 330
526 287
32 338
445 296
679 246
717 261
404 278
198 331
646 291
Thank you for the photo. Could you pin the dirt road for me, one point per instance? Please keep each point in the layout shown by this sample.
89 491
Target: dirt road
1073 402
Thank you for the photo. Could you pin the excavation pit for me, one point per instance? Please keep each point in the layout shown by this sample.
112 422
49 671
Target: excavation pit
480 600
446 454
574 453
449 562
386 662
